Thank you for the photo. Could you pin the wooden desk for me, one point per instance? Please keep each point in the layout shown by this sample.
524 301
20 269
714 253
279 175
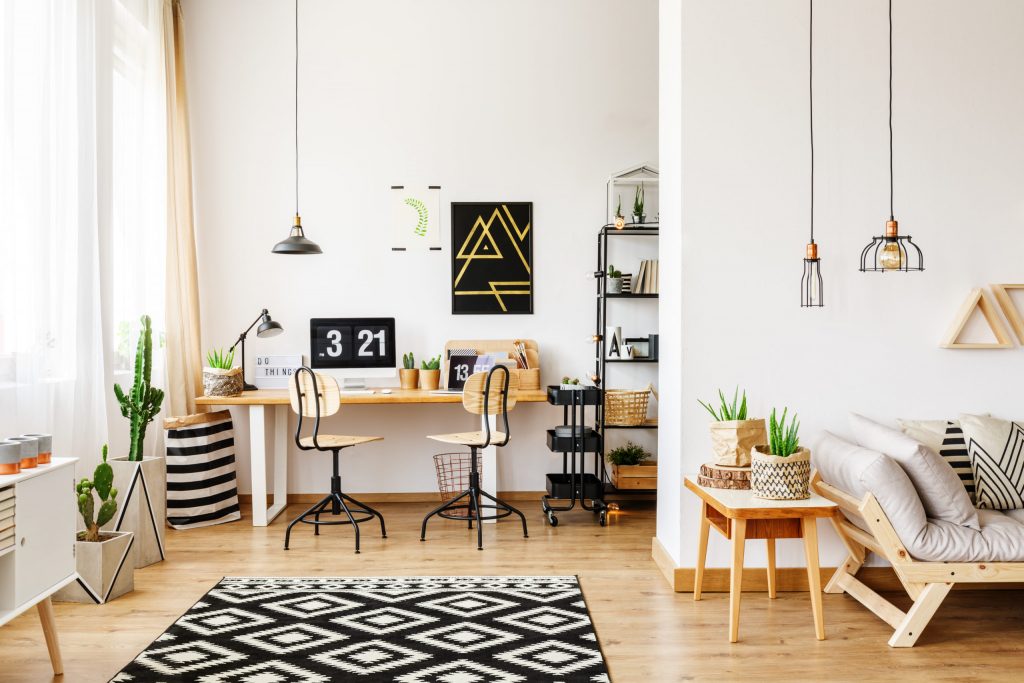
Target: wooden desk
277 401
738 515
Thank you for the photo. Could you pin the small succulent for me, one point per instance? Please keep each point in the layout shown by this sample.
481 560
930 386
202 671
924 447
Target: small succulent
432 364
571 380
618 208
728 411
408 361
218 358
783 440
613 273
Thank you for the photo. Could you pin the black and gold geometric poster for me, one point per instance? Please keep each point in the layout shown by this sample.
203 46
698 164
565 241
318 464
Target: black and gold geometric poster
492 257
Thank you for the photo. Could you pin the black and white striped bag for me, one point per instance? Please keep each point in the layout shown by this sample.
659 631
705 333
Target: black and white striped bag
201 485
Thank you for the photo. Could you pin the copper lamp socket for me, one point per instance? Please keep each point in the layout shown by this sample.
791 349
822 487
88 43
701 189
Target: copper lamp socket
812 252
298 221
891 228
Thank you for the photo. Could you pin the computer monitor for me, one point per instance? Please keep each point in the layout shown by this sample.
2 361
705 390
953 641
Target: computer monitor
353 349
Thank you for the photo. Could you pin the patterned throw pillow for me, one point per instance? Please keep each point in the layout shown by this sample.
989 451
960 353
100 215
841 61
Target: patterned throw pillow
996 450
945 437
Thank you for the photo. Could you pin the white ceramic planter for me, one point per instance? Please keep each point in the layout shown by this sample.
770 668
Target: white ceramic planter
106 569
142 505
774 477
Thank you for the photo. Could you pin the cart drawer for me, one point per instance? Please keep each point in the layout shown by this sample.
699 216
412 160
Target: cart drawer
591 396
561 486
590 442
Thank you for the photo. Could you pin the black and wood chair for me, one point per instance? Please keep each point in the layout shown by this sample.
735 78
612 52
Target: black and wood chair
316 396
484 394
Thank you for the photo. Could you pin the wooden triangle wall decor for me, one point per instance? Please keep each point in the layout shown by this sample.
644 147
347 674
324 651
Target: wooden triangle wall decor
1010 309
978 301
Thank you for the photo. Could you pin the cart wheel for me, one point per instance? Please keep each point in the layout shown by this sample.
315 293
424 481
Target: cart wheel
604 518
552 520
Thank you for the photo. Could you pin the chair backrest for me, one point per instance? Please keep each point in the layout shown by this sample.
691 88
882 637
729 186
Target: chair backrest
502 383
308 390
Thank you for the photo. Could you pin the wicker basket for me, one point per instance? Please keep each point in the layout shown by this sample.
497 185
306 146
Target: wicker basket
626 408
780 478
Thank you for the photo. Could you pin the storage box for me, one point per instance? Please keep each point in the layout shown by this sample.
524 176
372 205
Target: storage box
635 477
560 486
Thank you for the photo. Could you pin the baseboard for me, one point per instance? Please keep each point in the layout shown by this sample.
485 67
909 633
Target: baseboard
404 497
755 579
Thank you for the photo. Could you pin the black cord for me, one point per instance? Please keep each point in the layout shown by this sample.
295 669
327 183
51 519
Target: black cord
891 213
296 107
810 89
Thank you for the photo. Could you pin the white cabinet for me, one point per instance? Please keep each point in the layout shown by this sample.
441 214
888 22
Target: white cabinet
44 553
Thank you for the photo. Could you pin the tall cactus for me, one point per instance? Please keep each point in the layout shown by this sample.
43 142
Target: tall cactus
142 403
102 484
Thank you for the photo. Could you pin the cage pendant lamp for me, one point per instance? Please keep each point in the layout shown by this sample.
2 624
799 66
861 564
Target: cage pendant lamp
297 242
891 251
811 284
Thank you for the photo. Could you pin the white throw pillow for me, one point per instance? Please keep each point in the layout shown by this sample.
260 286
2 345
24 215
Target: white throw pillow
996 450
945 437
941 492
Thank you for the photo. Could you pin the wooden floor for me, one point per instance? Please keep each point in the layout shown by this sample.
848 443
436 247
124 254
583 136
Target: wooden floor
648 633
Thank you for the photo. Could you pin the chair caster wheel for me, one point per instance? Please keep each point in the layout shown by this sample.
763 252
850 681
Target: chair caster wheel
603 521
357 552
552 520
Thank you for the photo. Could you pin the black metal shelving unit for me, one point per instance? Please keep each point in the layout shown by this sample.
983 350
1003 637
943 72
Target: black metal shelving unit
601 361
574 483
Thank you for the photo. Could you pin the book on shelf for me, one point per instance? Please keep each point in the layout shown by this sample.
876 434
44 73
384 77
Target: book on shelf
646 281
6 493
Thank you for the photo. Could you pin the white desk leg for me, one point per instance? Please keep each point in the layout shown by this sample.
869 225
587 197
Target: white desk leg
489 458
258 464
280 462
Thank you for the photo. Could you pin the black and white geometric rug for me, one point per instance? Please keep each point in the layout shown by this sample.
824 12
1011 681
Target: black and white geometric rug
422 629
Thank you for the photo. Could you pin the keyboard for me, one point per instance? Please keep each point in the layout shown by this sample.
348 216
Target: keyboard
356 392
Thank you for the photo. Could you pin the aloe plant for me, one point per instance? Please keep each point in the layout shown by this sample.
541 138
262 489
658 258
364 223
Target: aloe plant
408 361
432 364
618 208
783 439
727 412
218 358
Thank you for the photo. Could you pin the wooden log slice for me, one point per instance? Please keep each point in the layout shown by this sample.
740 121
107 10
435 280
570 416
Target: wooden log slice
719 477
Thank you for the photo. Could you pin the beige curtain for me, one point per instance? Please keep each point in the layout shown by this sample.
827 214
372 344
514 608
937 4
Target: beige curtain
184 354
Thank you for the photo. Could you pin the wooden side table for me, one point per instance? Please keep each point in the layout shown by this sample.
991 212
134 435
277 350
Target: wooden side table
739 516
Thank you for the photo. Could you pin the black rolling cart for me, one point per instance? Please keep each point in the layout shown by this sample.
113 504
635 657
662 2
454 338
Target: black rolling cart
574 440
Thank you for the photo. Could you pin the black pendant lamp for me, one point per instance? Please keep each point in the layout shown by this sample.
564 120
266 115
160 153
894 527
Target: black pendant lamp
297 243
891 251
811 285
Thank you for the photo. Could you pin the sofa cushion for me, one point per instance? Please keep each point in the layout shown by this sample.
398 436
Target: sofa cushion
939 487
945 437
996 450
857 471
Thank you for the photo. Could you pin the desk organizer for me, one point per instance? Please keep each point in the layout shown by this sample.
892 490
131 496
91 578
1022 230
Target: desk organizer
529 378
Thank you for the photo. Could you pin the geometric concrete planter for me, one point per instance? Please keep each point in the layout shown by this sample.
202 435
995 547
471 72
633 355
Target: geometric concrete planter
141 505
106 569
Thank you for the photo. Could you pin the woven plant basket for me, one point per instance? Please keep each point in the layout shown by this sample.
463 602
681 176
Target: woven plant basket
218 382
627 408
780 478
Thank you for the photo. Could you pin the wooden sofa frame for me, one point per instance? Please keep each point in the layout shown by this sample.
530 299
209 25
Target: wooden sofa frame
927 583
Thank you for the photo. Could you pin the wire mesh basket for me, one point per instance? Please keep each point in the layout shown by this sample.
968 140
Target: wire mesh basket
453 476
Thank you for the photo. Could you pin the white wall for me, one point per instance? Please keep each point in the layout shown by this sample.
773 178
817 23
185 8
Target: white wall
874 348
514 100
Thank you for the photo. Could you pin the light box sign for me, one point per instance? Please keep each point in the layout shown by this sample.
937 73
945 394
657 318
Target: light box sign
274 372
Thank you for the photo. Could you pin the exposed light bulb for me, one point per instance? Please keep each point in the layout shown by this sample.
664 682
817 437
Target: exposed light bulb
891 257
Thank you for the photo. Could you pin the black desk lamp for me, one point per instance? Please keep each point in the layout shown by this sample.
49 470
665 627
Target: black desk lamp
267 328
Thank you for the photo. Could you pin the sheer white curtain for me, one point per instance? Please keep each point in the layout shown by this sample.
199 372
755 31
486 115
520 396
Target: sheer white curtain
82 186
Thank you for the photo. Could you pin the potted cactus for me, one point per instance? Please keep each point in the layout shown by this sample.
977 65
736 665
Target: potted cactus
733 435
104 559
430 374
409 376
614 280
143 479
638 205
781 469
220 377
